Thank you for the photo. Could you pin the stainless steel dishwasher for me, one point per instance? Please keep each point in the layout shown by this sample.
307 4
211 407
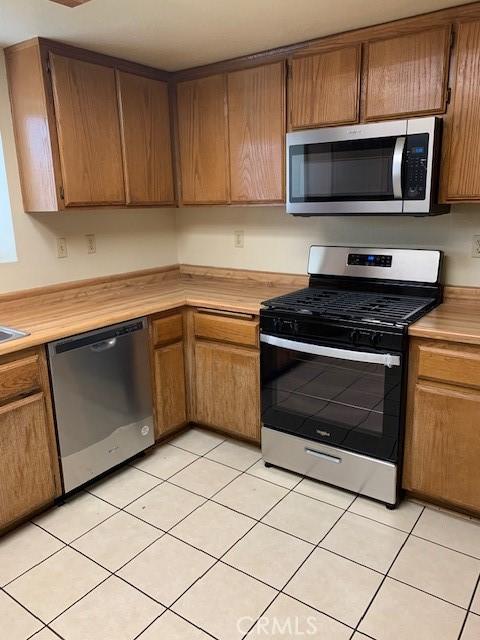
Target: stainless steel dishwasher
102 394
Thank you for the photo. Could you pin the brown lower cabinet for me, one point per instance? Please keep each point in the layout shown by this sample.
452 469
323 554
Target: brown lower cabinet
28 459
225 372
227 388
170 396
443 423
168 363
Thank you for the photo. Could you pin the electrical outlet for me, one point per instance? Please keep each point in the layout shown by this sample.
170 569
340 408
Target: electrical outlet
91 243
476 247
238 239
62 251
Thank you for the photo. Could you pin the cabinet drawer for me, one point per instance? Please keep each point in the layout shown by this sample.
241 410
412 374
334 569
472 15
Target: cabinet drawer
167 329
456 366
19 376
226 329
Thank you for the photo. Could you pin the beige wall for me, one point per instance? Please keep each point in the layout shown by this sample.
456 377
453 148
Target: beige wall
126 240
275 241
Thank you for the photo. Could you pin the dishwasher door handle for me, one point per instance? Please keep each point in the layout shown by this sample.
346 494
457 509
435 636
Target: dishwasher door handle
104 345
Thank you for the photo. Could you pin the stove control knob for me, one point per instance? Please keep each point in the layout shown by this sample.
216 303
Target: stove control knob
287 326
355 337
375 338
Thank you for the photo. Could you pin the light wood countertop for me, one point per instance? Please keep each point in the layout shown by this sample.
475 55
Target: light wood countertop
64 310
453 320
59 311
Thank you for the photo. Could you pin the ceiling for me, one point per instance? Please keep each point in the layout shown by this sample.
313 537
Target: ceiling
175 34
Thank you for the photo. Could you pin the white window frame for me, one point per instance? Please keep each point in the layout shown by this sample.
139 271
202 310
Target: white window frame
8 251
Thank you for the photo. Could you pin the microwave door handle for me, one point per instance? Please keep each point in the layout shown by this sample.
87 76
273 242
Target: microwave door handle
397 168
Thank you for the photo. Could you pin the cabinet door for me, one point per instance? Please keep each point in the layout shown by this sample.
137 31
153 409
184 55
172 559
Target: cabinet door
88 132
227 384
324 88
407 75
256 121
170 397
202 130
27 476
462 175
147 151
443 445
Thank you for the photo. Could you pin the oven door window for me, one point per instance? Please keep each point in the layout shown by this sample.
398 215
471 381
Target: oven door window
354 405
342 171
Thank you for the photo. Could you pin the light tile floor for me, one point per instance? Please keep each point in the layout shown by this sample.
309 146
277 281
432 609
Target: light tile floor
199 540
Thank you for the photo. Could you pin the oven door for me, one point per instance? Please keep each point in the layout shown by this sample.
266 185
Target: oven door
345 398
355 169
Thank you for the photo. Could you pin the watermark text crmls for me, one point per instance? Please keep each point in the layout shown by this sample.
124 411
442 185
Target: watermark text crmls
289 626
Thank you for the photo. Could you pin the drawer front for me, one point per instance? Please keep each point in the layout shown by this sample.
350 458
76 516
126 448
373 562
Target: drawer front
226 329
167 329
455 366
351 471
19 376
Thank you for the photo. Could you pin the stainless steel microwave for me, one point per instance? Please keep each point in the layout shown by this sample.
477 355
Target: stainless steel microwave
378 168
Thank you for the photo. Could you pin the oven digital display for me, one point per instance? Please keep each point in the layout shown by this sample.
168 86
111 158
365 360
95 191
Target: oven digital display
369 260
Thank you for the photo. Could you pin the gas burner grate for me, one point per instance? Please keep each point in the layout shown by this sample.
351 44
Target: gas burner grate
353 305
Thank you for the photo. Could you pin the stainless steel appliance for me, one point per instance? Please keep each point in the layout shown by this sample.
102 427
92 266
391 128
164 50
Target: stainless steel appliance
378 168
103 399
334 364
7 334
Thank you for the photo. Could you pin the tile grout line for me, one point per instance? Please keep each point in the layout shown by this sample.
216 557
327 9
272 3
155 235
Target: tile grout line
469 610
386 573
281 591
8 595
68 544
114 574
220 559
217 560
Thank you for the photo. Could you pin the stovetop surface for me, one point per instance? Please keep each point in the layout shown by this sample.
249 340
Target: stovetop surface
361 306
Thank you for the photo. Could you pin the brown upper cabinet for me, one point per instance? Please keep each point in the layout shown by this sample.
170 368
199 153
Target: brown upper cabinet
461 176
147 149
203 140
89 129
231 136
407 75
324 88
88 132
256 124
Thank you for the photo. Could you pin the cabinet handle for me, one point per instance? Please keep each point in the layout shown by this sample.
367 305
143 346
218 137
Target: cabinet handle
226 314
323 456
17 404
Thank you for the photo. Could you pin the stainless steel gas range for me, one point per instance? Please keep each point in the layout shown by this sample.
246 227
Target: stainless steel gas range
334 363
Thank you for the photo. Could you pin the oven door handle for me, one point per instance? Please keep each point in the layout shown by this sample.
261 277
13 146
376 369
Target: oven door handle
397 168
387 359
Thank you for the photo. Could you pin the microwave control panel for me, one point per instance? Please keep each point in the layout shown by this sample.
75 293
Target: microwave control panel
415 167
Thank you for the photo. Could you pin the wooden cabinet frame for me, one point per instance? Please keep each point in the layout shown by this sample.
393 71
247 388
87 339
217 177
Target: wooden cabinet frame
35 472
445 378
31 93
169 388
334 118
443 73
